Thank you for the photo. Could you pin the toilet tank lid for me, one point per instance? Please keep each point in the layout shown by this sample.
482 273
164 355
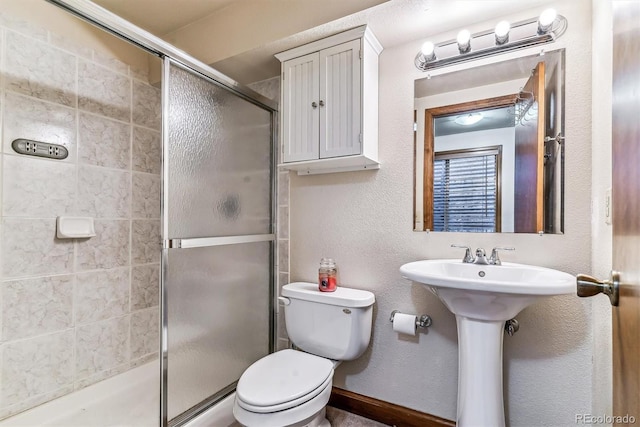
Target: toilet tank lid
343 297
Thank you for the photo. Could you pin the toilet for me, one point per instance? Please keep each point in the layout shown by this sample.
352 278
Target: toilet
291 388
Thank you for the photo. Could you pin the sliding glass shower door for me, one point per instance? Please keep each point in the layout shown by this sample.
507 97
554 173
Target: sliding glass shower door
218 235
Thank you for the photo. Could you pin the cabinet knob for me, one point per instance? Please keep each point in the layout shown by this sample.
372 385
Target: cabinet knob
321 103
314 105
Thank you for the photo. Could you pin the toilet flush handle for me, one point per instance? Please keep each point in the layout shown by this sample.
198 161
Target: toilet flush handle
284 301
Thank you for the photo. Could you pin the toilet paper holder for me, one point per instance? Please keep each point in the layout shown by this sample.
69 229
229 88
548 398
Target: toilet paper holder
423 321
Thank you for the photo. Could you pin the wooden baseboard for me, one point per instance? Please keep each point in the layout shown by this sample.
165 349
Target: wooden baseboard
384 412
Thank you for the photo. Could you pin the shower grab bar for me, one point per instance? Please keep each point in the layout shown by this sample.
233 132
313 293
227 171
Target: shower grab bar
203 242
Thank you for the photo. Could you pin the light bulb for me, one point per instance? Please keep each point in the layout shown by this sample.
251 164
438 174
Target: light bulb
428 52
545 21
502 32
464 41
428 48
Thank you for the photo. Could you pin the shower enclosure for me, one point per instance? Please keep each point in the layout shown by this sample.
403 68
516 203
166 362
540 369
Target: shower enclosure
95 310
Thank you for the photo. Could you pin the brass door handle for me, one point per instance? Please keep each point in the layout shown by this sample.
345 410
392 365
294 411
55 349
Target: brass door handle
589 286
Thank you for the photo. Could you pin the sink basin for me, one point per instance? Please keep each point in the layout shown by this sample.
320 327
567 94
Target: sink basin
488 292
483 297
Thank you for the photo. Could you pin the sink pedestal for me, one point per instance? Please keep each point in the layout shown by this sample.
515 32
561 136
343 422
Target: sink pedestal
480 400
483 297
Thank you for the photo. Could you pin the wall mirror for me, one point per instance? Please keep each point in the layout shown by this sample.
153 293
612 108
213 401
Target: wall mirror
489 147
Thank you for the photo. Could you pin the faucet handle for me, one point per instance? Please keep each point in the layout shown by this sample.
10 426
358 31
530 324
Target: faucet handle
494 258
468 258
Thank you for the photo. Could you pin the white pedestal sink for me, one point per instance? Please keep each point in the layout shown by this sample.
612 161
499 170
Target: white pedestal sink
483 297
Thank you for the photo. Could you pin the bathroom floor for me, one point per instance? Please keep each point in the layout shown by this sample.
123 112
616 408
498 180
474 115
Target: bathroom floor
340 418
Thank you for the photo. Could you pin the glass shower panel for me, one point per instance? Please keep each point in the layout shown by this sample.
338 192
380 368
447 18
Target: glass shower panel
218 235
218 311
219 160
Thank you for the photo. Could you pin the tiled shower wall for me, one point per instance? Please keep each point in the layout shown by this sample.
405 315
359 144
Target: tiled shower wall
270 88
73 312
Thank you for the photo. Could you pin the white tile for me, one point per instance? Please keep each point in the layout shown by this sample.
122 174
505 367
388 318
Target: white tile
103 91
104 142
147 150
145 286
283 222
146 196
39 70
26 117
108 249
23 27
70 45
283 188
101 346
145 332
138 73
283 255
36 366
29 247
103 193
36 306
102 295
110 62
33 187
146 105
145 241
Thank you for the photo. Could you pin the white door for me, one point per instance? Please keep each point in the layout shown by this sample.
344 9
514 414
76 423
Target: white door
300 105
340 98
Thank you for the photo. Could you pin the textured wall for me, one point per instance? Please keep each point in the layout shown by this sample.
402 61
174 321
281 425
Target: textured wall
364 221
74 312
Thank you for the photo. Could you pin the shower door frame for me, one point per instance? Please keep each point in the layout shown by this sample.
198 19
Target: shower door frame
202 242
154 45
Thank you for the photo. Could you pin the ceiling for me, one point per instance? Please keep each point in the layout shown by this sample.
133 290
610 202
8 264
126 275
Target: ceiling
492 118
297 22
161 17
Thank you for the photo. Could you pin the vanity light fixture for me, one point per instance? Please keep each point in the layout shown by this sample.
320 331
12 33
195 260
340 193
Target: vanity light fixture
469 119
546 28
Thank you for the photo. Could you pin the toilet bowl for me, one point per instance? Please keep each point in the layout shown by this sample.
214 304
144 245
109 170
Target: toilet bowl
291 388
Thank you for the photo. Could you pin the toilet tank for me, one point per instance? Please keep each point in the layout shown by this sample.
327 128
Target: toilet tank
335 325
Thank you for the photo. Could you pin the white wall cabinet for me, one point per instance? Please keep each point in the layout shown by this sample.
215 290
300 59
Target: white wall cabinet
329 99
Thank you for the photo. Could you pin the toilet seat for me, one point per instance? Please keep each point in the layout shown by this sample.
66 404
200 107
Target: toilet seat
283 380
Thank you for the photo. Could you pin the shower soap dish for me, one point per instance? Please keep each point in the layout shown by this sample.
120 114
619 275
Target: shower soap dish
74 227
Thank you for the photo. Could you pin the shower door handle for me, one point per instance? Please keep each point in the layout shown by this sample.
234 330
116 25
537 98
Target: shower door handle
314 104
203 242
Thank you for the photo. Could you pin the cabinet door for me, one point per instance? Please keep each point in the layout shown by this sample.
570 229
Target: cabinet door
300 104
340 98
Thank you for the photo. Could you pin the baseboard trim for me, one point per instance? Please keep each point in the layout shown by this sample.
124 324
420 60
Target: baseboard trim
384 412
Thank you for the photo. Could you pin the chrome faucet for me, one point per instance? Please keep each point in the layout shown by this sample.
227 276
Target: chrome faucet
494 259
481 256
468 258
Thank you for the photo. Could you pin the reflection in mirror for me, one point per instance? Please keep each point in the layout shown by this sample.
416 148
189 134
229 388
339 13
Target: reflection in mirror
489 148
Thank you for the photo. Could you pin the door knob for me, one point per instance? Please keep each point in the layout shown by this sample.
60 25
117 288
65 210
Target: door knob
589 286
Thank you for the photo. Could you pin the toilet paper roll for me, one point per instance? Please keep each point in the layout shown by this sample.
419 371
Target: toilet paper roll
404 323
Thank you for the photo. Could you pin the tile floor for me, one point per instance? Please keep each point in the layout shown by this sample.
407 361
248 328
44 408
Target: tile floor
340 418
